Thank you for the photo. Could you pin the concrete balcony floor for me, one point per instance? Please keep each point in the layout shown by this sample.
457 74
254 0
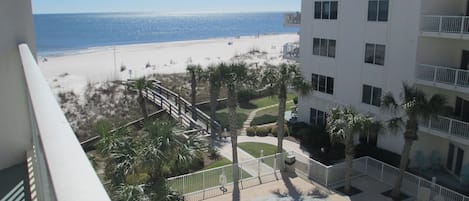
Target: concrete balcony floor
14 183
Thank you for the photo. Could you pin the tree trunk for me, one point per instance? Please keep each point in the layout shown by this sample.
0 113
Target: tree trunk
396 191
282 97
410 136
214 92
234 140
349 155
141 101
193 95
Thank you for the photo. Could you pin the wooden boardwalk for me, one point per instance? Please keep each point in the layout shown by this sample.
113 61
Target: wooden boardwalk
179 108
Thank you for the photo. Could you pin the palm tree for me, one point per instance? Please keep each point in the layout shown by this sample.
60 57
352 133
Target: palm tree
278 79
194 72
141 84
342 125
234 76
413 106
213 76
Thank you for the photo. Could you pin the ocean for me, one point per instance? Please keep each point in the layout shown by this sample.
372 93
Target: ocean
58 33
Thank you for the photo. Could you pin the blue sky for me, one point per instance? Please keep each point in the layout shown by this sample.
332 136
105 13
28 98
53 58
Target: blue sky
169 6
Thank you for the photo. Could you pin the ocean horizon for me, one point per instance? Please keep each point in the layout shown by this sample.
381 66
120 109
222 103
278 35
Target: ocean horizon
59 33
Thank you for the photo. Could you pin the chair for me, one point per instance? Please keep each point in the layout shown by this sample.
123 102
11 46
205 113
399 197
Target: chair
435 160
419 159
424 194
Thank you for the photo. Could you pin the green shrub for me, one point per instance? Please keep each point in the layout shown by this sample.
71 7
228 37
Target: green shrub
295 100
263 131
245 95
264 119
251 131
275 130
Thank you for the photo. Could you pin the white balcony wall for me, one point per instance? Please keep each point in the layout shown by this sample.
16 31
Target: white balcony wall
15 133
441 52
445 7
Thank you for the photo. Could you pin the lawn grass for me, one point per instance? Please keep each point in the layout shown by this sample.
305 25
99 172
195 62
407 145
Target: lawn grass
254 148
242 111
269 115
222 161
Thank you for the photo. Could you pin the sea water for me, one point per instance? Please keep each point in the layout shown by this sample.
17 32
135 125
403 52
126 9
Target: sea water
56 33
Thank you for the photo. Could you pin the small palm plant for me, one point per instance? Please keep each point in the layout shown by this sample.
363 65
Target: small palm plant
214 78
195 72
343 124
141 84
413 106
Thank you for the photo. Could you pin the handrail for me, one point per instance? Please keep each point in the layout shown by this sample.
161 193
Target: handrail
70 172
445 24
445 75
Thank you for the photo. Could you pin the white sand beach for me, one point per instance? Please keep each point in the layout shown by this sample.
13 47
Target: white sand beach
74 71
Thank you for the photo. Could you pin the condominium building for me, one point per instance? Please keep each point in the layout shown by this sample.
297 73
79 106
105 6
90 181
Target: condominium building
40 156
355 51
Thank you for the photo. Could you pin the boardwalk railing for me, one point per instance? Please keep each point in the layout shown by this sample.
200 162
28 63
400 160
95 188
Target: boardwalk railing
443 75
333 175
179 108
218 181
445 24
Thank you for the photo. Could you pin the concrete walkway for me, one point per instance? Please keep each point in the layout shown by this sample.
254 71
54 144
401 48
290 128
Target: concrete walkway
249 164
252 115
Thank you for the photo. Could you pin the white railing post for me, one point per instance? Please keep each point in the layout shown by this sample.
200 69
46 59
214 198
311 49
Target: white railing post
440 26
183 184
450 129
203 184
456 78
462 25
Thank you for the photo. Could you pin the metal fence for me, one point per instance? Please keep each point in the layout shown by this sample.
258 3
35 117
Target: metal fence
445 24
333 175
218 181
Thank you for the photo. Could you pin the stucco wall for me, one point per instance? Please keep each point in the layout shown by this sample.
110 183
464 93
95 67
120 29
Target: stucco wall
15 130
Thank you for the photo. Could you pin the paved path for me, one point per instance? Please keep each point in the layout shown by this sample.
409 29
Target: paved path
252 115
249 164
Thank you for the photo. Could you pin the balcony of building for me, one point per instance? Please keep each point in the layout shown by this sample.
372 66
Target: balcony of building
443 77
448 128
454 27
292 19
291 51
55 167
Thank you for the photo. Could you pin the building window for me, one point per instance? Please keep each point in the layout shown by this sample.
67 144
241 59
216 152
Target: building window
324 47
378 10
317 117
325 10
371 95
374 54
323 83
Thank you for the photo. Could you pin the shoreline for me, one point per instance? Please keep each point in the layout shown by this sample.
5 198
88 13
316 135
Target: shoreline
74 71
84 50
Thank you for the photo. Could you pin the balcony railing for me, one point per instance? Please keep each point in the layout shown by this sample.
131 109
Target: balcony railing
443 75
292 19
445 24
448 126
291 51
62 170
